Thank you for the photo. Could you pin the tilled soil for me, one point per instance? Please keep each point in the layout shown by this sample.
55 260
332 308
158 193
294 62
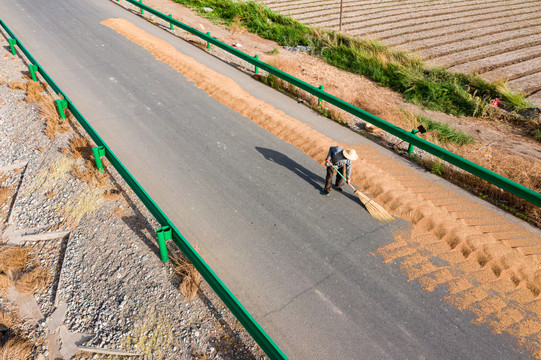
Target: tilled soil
451 34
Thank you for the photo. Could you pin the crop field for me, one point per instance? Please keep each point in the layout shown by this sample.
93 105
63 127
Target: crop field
499 40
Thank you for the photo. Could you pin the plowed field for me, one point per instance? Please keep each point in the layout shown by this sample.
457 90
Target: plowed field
499 40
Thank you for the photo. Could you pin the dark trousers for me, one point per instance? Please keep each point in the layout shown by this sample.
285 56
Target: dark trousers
328 179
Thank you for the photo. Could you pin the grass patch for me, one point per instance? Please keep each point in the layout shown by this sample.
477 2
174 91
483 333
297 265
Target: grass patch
13 346
437 168
440 131
16 268
444 132
515 99
434 88
13 258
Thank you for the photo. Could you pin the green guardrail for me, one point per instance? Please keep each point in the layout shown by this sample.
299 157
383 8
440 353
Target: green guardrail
168 230
452 158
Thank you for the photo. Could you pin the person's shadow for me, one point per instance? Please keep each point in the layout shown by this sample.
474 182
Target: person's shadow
310 177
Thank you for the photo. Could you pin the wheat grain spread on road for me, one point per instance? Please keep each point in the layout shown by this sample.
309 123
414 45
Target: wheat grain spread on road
489 265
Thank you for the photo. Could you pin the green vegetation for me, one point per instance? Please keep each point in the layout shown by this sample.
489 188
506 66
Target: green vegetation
437 168
434 88
537 134
445 133
274 51
512 98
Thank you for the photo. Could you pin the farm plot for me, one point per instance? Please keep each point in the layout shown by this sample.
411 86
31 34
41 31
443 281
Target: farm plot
499 40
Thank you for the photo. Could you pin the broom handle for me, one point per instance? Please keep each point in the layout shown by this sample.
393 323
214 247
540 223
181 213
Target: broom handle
339 173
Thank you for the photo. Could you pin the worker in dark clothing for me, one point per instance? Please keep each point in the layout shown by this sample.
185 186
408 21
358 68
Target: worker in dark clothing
340 158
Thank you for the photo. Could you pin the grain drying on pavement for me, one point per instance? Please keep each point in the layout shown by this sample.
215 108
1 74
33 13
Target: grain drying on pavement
499 40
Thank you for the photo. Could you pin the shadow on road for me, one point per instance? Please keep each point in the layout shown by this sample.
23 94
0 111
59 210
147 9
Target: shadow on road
318 182
277 157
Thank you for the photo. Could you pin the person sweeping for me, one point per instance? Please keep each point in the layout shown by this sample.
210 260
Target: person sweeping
341 159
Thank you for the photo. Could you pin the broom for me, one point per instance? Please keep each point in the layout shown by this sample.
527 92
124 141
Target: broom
374 209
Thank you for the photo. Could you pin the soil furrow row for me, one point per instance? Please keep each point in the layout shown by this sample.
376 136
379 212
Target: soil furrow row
490 33
433 37
514 37
514 71
383 6
412 18
434 23
534 97
281 6
487 59
528 84
358 11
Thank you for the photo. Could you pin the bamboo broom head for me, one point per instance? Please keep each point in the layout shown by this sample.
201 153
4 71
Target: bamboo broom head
375 210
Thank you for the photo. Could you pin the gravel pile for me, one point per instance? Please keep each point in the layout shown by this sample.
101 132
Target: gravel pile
107 270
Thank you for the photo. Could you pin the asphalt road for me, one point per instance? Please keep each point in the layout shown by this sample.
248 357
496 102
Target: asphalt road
300 262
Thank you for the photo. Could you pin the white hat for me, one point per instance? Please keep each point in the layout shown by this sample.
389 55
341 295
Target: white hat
350 154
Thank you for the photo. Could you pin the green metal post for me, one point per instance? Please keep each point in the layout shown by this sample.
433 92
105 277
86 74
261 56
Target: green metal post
170 23
410 147
33 68
142 11
12 43
98 151
319 101
256 67
61 105
208 43
164 233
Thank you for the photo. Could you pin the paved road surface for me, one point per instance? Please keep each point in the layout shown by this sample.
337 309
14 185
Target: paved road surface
300 262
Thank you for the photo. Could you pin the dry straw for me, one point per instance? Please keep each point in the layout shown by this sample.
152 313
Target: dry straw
13 258
6 319
81 148
5 283
191 279
53 123
30 281
16 349
375 209
5 194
